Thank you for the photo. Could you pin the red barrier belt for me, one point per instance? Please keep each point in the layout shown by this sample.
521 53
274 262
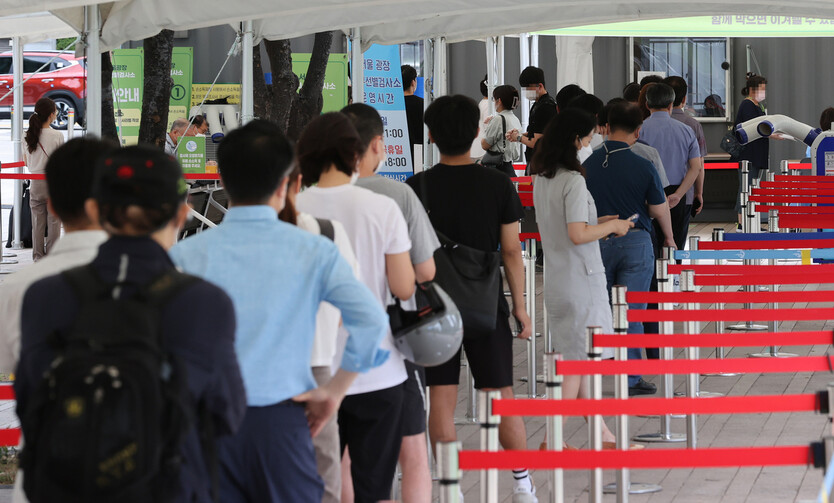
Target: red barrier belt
729 457
202 176
10 165
795 199
794 191
803 178
730 297
796 209
789 184
524 236
10 437
752 269
800 165
811 314
22 176
734 340
522 179
658 406
767 245
720 165
765 279
806 221
6 392
714 366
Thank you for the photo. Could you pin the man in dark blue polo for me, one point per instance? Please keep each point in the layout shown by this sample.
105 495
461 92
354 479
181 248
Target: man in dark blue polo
624 184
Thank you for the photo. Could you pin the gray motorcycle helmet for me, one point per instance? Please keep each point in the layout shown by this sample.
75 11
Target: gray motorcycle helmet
432 335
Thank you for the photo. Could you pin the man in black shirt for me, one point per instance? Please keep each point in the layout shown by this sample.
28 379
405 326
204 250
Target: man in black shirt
477 207
413 108
531 81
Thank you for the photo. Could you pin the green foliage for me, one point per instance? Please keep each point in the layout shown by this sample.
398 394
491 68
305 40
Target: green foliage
63 43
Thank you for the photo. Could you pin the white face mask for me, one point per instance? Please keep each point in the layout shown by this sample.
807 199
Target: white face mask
760 95
354 177
381 163
530 94
584 153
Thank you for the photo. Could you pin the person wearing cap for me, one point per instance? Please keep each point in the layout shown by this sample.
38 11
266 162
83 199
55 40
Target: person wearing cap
277 276
138 198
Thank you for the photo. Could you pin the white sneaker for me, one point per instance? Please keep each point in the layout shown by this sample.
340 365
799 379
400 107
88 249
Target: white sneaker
523 494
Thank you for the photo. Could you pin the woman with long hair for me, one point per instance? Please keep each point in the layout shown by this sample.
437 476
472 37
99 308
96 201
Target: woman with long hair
757 151
41 141
575 285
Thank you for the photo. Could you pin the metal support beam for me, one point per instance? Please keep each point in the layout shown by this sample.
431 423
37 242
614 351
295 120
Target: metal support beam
357 68
17 134
93 52
247 80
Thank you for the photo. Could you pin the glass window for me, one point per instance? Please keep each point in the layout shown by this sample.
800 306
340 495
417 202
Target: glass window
31 64
698 60
5 65
412 54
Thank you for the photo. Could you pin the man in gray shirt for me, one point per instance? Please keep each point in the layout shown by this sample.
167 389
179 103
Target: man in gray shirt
416 482
678 106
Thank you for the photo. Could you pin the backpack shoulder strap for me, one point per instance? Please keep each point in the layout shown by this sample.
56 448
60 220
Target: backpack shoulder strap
326 228
86 282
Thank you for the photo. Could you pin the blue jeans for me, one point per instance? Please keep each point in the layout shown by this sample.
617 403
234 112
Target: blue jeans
629 262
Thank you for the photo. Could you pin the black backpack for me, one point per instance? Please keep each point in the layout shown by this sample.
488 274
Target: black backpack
107 422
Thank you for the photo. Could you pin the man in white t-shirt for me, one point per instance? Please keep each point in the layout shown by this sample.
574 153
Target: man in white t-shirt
371 414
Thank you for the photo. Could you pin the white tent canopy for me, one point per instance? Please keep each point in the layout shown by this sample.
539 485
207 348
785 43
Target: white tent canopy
35 27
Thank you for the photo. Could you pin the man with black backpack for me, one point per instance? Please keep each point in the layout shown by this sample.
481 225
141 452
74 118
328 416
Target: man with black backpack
127 367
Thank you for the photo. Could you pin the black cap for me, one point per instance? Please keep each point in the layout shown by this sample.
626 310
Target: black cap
139 175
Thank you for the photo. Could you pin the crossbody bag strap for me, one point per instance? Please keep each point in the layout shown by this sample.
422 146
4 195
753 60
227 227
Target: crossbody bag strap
43 150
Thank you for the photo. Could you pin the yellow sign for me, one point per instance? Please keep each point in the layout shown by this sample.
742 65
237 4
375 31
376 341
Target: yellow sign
220 91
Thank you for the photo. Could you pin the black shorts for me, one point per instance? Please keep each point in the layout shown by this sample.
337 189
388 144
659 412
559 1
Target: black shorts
490 357
414 400
370 424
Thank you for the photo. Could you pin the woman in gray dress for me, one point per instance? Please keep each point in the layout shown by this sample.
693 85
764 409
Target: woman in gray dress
575 287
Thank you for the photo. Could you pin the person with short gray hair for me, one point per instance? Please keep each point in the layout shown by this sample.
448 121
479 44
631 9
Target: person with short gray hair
178 128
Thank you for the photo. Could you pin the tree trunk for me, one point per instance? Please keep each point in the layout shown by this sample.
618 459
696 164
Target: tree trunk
309 100
284 81
108 119
264 101
156 95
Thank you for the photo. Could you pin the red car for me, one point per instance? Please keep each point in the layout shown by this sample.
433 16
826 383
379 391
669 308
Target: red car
64 80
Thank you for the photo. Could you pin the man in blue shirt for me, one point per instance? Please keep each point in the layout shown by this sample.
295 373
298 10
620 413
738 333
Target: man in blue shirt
680 154
277 275
624 184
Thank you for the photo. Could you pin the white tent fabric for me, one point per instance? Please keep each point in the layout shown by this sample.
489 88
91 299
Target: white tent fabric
13 7
35 27
575 62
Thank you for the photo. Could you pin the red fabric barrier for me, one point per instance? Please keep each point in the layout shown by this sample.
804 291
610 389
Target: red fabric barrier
806 221
730 457
733 339
765 279
813 314
714 366
794 199
6 392
803 178
10 165
800 165
796 209
752 269
22 176
524 236
802 244
794 191
720 165
789 184
730 297
10 437
658 406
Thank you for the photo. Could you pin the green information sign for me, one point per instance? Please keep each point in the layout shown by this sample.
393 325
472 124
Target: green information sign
335 79
128 66
191 153
182 62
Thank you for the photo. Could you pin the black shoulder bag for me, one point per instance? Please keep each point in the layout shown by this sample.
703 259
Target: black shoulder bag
492 159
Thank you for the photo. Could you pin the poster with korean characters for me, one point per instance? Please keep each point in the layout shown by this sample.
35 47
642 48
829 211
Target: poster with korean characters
384 91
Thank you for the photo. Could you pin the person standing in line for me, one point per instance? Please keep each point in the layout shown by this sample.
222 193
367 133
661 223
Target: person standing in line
477 151
476 207
495 137
758 150
416 479
625 184
531 81
413 108
276 288
678 113
575 286
678 148
371 415
41 141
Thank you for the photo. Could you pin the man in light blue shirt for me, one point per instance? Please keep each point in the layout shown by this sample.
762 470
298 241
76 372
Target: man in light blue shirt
681 156
277 275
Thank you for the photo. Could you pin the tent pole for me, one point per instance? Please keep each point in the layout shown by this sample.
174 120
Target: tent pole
17 134
247 84
491 74
534 50
524 59
500 63
357 68
93 51
429 90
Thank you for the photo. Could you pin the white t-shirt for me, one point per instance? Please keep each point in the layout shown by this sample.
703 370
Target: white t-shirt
49 141
376 227
477 151
328 316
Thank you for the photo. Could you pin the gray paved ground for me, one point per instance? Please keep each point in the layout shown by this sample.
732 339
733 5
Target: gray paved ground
777 484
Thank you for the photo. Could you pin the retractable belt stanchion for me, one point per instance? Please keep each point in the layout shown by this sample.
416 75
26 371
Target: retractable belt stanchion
471 414
623 486
667 382
718 235
553 424
772 215
3 254
530 299
449 471
690 327
693 245
489 443
595 421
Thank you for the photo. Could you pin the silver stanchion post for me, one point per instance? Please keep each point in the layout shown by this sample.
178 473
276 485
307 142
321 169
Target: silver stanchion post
70 123
694 242
555 435
471 414
449 471
718 235
489 443
623 486
747 227
691 327
4 255
595 421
